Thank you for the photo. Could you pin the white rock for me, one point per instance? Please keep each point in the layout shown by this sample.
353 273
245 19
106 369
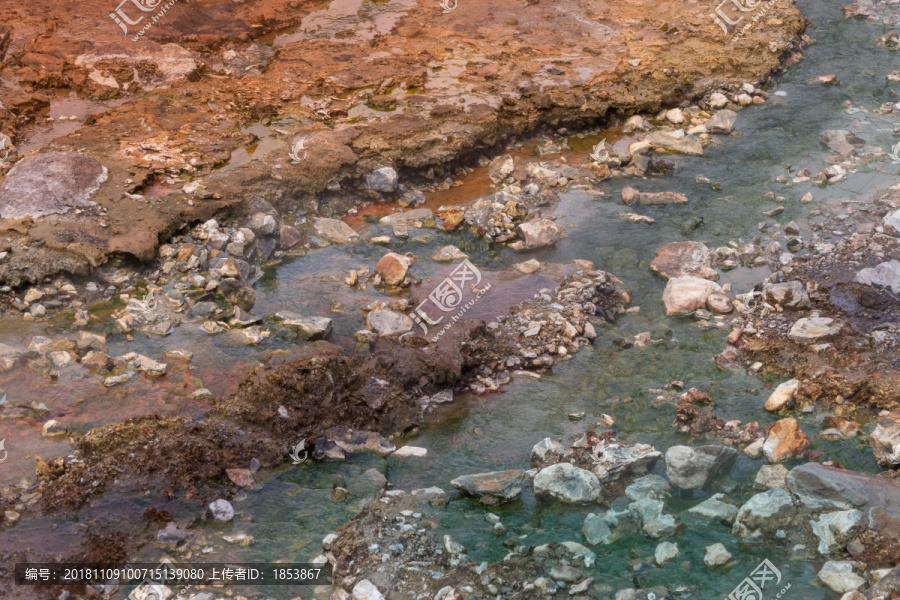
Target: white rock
783 394
411 452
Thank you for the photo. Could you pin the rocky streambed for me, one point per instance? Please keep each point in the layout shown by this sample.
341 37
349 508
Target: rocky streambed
523 318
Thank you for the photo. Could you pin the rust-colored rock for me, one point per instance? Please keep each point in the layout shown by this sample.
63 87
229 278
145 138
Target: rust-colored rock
785 440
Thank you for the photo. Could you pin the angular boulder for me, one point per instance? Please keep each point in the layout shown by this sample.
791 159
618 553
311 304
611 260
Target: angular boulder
567 483
334 230
694 467
494 487
539 233
393 267
785 440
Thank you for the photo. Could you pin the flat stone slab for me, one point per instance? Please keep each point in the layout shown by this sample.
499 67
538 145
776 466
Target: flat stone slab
494 487
50 183
811 329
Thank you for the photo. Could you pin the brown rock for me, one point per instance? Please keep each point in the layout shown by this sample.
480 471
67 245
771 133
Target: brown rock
680 259
785 440
289 237
240 477
393 267
451 216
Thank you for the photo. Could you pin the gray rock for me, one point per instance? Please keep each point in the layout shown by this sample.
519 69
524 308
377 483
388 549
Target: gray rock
763 514
649 486
565 573
885 440
770 476
567 483
50 183
366 590
238 292
539 233
825 488
835 529
172 535
407 217
388 322
886 275
263 224
546 451
685 145
694 467
494 487
715 510
313 328
384 180
449 253
500 168
839 576
654 522
666 552
614 460
202 310
789 294
716 555
609 527
221 510
334 230
722 121
353 440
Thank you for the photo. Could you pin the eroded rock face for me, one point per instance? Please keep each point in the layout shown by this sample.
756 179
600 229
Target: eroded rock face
50 183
